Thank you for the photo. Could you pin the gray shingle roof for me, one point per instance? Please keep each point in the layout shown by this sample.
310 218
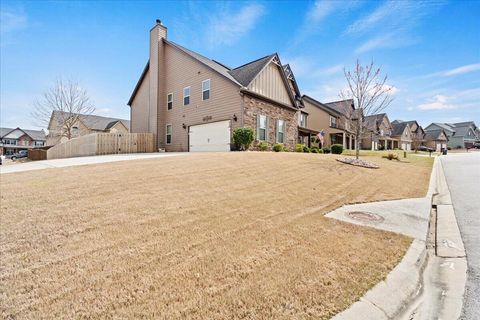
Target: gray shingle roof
373 120
322 106
398 128
245 73
4 131
342 106
98 122
433 134
218 67
444 126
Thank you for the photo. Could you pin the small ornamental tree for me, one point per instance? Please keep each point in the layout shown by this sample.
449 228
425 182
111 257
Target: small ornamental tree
243 138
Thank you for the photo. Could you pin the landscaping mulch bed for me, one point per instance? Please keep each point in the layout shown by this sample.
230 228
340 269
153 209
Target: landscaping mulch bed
358 163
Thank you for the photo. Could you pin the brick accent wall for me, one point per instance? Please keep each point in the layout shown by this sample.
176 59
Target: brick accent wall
254 106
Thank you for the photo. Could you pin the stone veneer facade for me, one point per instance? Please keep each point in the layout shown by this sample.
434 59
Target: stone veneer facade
254 106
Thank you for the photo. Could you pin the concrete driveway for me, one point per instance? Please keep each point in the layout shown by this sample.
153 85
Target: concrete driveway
59 163
462 172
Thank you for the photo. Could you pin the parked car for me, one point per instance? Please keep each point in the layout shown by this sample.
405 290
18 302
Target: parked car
20 154
476 145
425 148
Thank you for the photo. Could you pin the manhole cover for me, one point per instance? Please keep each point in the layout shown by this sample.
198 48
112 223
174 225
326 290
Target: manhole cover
364 216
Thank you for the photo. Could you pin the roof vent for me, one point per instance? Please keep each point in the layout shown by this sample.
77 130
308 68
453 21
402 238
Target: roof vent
158 21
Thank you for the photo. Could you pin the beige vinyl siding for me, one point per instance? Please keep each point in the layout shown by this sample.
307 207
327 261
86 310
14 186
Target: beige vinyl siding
269 83
139 108
119 127
319 120
182 71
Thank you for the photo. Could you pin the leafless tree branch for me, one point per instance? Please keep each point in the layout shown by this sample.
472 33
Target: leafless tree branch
68 101
370 94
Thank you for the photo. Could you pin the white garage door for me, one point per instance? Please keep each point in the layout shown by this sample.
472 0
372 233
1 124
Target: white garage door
210 137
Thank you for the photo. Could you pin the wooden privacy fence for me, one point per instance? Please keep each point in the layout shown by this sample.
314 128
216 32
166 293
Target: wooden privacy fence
38 153
103 143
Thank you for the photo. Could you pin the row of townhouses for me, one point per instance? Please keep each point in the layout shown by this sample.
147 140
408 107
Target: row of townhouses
192 103
13 140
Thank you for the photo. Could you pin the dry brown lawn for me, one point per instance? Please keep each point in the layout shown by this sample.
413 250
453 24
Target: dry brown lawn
206 236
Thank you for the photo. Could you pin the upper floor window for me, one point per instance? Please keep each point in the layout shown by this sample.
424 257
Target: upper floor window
280 131
169 101
333 122
206 89
169 133
302 120
186 96
38 143
381 132
262 127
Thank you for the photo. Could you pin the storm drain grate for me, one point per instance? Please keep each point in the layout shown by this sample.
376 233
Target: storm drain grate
365 216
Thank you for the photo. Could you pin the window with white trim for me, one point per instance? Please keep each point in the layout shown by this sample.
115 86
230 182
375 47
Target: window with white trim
206 89
280 131
186 96
302 120
169 133
169 101
261 127
333 122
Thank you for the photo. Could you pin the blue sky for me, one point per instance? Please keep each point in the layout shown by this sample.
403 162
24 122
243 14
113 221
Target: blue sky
429 49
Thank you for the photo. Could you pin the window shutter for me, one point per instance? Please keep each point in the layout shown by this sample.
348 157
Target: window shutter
266 130
258 127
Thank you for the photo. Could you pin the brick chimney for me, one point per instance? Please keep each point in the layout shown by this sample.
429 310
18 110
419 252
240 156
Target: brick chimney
156 75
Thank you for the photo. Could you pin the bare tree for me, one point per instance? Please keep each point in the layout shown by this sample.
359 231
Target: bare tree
64 103
370 94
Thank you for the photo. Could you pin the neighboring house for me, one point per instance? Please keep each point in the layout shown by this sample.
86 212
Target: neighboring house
322 117
402 134
460 135
192 103
84 124
379 133
343 131
417 132
436 139
14 140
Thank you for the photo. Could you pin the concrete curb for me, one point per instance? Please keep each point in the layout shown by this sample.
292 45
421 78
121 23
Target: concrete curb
388 298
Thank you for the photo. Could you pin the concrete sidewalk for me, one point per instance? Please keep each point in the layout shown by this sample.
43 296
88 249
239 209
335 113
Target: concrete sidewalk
428 283
79 161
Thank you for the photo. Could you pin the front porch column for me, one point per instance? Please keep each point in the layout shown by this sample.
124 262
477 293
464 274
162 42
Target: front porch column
373 145
385 144
350 143
344 138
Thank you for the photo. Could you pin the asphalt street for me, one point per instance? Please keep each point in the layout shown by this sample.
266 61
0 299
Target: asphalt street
462 172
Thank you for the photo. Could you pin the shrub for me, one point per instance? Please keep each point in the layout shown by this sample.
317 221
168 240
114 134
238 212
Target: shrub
306 149
337 149
243 138
263 146
278 147
320 150
314 150
299 147
449 148
326 150
391 156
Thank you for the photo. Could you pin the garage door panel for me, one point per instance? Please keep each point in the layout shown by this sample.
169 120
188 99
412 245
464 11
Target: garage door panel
210 137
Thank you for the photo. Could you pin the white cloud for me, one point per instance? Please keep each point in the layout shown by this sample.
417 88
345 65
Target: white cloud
330 70
463 69
391 24
11 20
228 27
438 102
320 10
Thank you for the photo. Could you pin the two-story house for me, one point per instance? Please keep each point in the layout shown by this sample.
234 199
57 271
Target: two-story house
403 136
81 125
343 130
378 135
418 134
460 134
192 103
14 140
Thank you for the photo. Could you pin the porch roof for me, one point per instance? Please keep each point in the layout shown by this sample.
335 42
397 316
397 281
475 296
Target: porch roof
306 131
